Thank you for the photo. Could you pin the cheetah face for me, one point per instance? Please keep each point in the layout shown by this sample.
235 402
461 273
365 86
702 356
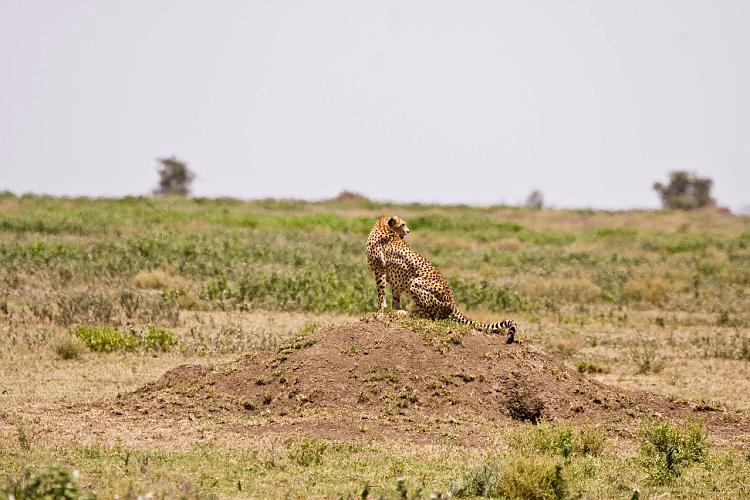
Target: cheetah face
399 225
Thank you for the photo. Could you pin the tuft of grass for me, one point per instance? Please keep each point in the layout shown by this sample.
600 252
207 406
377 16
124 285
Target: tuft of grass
308 451
558 439
667 449
52 483
442 333
654 290
482 480
309 328
68 348
159 279
267 398
586 366
566 344
23 438
645 357
538 477
533 477
300 341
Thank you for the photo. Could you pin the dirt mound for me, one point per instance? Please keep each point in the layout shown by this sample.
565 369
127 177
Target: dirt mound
367 378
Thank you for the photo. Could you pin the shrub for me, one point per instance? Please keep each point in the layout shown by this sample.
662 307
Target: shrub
536 477
586 366
111 339
533 477
69 348
645 357
105 338
308 451
159 339
667 448
53 482
482 480
558 439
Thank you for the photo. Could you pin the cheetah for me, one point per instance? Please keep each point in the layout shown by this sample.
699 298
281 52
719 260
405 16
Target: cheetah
394 262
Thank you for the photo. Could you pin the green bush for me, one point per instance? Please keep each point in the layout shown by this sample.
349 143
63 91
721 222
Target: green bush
533 477
666 449
111 339
159 339
51 483
558 439
105 338
482 480
537 477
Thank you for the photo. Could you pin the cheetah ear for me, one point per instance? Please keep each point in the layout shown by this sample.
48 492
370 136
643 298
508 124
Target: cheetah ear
392 221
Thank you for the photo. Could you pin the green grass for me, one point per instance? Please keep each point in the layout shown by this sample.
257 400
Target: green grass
667 449
309 256
309 467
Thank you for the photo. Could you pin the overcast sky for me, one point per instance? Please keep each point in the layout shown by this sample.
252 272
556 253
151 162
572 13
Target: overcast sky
475 102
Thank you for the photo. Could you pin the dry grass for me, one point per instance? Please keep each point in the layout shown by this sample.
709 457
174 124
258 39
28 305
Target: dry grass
34 376
160 279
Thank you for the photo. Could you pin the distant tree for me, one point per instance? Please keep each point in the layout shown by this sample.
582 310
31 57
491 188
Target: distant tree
685 191
350 196
535 199
174 177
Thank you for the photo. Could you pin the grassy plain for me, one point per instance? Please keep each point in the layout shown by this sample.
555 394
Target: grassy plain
639 299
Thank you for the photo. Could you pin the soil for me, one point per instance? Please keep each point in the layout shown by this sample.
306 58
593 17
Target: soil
365 380
369 380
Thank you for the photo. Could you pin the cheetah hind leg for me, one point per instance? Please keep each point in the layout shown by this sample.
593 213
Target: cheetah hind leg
417 312
427 303
396 299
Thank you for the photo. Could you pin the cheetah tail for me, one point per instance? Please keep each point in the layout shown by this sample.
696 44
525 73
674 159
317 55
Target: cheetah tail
508 324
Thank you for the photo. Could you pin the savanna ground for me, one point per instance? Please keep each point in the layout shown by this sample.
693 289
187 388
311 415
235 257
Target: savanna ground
100 298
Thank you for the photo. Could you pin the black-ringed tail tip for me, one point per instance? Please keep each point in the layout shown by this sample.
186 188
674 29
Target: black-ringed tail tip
511 336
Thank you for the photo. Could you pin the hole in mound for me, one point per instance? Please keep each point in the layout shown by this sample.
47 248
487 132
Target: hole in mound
522 405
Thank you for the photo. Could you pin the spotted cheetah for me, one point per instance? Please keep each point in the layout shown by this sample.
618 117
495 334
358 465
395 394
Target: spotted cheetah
394 262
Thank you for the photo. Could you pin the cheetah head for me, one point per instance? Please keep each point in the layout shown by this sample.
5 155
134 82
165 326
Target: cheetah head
399 225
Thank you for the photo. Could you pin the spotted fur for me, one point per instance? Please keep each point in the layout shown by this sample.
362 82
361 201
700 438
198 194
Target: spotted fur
394 262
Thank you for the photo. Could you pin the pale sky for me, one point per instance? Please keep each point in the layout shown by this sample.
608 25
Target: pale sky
465 101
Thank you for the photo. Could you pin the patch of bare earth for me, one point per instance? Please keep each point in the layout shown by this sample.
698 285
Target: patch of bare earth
367 380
